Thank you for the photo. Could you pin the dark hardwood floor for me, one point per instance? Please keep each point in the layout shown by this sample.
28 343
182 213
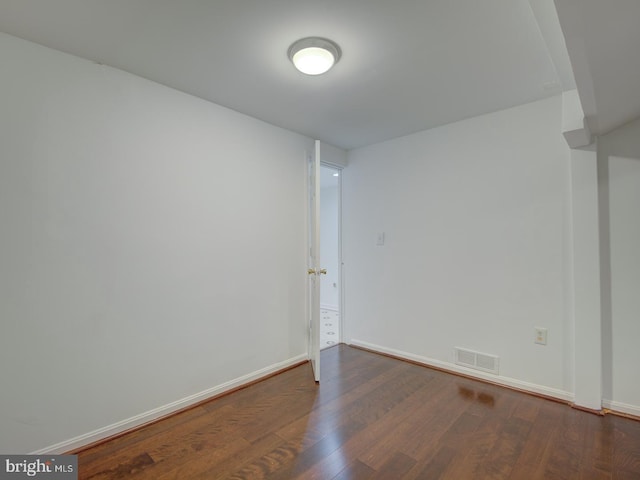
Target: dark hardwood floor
373 417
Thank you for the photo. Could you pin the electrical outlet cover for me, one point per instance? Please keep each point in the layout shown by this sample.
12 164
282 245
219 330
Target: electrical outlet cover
540 336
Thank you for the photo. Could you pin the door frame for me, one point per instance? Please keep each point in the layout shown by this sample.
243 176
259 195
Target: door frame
340 275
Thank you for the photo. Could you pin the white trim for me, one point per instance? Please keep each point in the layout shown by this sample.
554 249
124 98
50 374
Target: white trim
129 423
506 381
341 308
326 306
621 407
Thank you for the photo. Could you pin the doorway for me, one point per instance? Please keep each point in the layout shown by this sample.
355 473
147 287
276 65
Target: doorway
331 285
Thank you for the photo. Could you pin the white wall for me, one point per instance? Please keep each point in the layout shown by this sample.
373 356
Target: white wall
475 216
619 158
329 247
152 247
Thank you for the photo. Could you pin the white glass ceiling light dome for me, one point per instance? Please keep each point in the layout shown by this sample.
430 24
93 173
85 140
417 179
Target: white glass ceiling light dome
314 55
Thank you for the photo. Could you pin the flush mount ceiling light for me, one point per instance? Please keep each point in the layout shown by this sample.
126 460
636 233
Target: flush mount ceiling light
314 55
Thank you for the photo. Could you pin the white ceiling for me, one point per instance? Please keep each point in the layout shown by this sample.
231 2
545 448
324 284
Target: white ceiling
407 65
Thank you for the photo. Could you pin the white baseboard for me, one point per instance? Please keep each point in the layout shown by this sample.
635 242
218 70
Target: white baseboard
453 368
622 407
129 423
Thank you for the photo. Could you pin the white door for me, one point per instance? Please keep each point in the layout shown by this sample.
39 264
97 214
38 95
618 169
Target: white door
313 263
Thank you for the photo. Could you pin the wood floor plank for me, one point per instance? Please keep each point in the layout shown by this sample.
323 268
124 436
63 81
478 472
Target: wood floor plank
566 454
436 466
330 411
476 447
357 470
413 410
506 450
197 463
626 448
105 451
126 469
310 458
538 445
430 427
372 417
397 466
392 396
236 462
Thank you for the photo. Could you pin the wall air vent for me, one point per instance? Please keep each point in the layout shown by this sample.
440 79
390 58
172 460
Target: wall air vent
477 360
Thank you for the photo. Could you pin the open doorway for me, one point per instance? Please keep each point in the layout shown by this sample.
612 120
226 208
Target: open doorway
330 286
